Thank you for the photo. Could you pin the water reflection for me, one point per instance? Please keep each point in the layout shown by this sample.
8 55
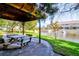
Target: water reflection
70 35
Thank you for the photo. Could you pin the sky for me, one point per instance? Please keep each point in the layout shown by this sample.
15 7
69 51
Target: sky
67 16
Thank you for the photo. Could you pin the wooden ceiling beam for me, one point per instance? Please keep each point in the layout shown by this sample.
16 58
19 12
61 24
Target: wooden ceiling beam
12 13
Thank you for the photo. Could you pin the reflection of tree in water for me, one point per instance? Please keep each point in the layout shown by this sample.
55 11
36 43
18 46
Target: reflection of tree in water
72 34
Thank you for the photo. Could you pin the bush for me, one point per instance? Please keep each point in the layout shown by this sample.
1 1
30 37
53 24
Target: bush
1 33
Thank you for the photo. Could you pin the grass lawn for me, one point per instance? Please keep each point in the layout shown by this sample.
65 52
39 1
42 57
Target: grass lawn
63 47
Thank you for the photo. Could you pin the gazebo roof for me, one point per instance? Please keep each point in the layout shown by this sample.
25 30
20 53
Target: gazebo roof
18 11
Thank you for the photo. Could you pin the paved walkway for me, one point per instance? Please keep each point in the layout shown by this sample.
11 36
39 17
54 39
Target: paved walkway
33 49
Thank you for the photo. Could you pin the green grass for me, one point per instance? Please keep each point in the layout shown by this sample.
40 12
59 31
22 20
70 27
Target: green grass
61 46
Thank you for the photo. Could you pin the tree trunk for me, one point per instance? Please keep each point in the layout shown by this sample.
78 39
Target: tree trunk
23 24
12 30
55 35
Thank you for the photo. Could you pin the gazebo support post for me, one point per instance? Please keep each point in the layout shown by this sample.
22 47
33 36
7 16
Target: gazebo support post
39 31
23 23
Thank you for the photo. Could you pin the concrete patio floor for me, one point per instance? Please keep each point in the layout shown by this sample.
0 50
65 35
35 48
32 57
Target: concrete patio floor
32 49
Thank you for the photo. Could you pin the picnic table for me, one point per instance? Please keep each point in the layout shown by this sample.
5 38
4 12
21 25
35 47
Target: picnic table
16 36
23 41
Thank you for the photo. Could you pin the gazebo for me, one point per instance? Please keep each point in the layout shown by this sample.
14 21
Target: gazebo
22 12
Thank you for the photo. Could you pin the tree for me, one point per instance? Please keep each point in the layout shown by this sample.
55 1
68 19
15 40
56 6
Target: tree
48 9
2 22
68 8
31 25
52 8
56 27
11 25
